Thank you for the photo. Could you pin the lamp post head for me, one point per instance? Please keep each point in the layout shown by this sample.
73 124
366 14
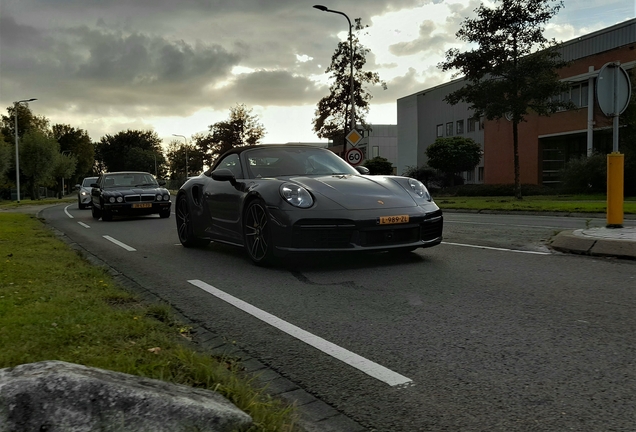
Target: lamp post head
321 7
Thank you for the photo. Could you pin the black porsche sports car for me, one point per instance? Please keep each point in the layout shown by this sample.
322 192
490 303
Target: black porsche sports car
129 194
277 199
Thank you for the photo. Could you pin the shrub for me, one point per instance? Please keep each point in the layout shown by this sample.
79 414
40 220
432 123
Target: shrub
379 166
585 174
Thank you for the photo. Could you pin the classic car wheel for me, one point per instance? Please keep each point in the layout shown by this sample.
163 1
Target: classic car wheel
256 233
164 214
184 225
96 212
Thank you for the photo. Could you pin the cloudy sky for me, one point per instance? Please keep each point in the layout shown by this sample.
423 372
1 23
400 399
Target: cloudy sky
177 66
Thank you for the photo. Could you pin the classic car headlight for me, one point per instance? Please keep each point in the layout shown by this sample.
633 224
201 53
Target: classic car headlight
166 197
111 199
419 188
120 199
296 195
158 197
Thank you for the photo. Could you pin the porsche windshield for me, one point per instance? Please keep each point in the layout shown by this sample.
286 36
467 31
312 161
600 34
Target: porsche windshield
275 162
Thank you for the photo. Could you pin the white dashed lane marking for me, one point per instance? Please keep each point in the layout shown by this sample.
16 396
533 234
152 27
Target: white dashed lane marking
118 243
352 359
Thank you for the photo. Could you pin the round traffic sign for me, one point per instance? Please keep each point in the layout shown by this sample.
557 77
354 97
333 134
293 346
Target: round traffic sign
613 89
354 156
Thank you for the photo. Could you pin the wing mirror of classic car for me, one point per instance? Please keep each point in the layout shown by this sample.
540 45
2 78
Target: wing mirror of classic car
224 174
362 169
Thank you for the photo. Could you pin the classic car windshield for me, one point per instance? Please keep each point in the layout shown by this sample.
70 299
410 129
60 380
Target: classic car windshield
275 162
131 180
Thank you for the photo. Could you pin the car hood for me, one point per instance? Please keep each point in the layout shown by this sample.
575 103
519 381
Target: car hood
134 190
356 192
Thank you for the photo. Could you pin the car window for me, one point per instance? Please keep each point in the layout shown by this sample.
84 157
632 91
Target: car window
88 181
275 162
232 163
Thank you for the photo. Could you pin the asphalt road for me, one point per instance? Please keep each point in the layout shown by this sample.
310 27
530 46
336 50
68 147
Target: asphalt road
489 331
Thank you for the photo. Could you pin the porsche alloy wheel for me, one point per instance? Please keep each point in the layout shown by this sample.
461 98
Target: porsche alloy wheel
256 232
184 225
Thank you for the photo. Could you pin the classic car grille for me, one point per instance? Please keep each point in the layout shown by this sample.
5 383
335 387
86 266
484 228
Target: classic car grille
322 234
138 198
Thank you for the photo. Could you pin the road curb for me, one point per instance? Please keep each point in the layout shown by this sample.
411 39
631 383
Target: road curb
575 242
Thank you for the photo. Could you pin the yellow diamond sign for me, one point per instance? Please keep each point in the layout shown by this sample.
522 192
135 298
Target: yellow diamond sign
354 137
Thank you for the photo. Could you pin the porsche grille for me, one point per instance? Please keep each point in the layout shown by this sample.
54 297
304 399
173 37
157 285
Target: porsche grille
341 234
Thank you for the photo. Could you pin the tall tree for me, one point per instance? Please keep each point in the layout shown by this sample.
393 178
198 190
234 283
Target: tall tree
176 159
64 165
78 143
513 69
332 116
452 155
131 150
240 129
37 151
5 155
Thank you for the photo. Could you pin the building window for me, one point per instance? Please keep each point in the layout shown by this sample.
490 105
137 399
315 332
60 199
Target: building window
577 94
473 124
480 174
375 151
449 129
470 176
460 127
440 130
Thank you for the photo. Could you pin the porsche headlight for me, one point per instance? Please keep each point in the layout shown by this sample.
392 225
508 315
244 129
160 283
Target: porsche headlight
419 188
296 195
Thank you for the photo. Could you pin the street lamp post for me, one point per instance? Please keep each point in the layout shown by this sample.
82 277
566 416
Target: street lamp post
17 153
353 116
186 152
63 153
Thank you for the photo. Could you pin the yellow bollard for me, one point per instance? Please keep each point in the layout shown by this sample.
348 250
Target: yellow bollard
615 183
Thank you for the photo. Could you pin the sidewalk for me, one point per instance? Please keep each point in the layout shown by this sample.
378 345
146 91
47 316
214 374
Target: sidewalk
612 242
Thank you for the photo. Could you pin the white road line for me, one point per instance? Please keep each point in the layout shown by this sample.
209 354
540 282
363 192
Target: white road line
352 359
84 225
498 249
67 213
118 243
502 224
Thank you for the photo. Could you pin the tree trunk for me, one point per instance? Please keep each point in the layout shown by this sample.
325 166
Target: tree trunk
515 146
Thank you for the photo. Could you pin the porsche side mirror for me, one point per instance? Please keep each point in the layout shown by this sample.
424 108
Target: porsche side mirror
224 174
362 169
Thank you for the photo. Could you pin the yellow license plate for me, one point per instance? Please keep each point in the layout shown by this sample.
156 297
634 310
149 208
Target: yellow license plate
142 205
385 220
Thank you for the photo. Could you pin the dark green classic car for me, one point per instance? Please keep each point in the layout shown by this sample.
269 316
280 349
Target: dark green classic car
130 193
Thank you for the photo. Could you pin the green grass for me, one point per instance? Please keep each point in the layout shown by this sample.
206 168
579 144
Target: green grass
557 203
6 204
56 306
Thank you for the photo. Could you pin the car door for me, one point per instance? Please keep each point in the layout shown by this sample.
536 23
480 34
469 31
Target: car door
96 193
223 201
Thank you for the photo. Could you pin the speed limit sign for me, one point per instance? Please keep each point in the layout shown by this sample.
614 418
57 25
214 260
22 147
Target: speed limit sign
353 156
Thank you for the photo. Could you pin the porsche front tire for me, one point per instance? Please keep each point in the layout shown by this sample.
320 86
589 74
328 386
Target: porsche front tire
257 237
184 225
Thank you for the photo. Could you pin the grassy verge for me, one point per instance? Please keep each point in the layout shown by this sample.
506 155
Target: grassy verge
559 203
6 204
56 306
